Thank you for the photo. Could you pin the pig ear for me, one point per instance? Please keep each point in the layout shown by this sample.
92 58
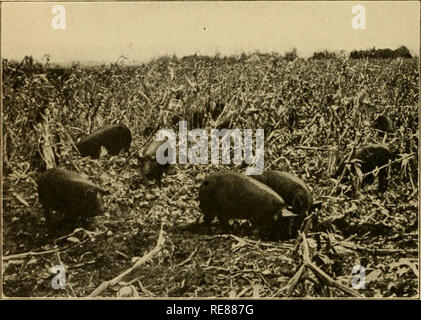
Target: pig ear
286 213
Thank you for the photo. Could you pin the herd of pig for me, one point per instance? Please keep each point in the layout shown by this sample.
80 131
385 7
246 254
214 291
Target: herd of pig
275 202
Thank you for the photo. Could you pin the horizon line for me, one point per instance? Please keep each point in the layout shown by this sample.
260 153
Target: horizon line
414 53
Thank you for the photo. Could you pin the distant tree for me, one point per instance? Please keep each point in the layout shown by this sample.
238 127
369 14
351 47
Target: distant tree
402 52
321 55
387 53
383 54
243 57
291 55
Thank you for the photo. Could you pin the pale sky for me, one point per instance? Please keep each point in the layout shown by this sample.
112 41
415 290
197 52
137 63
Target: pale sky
102 32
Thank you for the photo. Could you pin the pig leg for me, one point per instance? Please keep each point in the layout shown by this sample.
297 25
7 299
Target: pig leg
224 222
383 181
207 221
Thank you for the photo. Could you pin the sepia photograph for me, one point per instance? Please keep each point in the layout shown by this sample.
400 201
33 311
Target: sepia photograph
216 149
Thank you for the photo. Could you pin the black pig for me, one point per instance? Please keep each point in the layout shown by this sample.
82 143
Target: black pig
384 123
150 168
69 193
370 157
294 191
229 195
114 138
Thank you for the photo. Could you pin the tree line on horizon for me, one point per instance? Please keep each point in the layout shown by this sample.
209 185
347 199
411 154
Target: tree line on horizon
373 53
29 63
